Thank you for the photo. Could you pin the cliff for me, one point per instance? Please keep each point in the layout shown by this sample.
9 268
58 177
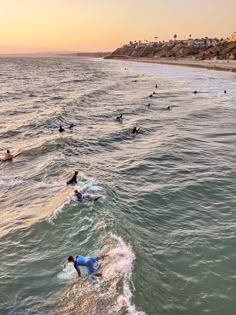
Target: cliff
203 49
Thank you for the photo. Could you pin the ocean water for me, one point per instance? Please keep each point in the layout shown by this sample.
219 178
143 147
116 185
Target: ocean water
167 216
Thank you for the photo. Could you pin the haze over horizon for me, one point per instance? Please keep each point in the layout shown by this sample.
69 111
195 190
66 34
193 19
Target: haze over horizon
34 26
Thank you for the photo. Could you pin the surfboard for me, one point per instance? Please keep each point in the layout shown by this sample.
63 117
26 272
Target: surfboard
68 273
83 181
17 153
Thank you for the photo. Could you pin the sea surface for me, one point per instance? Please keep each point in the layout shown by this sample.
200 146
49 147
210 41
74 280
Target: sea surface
167 217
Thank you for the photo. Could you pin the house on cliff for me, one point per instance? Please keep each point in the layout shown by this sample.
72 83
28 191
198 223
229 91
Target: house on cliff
233 37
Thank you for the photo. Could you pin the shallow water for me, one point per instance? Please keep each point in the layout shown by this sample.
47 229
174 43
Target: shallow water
168 212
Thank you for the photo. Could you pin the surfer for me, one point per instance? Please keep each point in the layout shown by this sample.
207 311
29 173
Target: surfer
85 197
71 126
61 129
8 156
73 179
135 131
195 92
88 262
119 118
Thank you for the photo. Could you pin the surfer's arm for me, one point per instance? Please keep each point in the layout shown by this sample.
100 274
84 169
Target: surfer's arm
78 270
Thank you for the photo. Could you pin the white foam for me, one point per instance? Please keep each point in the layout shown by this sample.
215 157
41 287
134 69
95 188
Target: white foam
49 184
57 211
121 263
11 182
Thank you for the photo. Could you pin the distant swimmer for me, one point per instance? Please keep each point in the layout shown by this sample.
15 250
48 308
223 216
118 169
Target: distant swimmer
8 156
73 179
195 92
150 95
90 262
135 131
168 108
148 105
119 118
71 126
225 91
61 129
86 197
154 93
156 86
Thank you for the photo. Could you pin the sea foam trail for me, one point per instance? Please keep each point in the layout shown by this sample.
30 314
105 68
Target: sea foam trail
122 259
110 295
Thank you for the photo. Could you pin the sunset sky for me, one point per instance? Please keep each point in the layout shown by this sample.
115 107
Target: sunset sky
103 25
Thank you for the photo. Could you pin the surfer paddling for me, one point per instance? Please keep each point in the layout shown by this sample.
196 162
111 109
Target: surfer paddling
119 118
86 197
61 129
135 131
8 156
88 262
71 126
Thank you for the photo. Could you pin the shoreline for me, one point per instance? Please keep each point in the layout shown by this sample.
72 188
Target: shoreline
220 65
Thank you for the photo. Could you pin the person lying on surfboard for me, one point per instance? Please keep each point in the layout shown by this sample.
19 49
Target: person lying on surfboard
135 131
119 118
88 262
73 179
85 197
8 156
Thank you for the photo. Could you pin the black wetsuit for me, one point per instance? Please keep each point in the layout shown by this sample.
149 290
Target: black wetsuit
79 196
73 180
86 197
135 131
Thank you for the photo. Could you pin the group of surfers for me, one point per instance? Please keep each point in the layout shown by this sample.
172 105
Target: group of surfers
134 131
78 261
80 195
90 261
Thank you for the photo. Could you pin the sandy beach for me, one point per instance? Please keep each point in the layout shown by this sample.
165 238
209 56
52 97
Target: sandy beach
223 65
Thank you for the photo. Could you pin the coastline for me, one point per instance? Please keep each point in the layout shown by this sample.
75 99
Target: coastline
222 65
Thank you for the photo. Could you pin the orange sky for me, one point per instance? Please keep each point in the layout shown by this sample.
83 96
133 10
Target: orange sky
102 25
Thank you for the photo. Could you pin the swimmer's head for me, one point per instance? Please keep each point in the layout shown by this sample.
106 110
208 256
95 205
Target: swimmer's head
71 259
76 172
8 151
75 192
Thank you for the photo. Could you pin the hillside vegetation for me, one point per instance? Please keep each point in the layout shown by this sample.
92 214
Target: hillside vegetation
194 49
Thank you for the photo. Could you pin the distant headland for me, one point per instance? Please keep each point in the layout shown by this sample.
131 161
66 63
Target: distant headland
202 52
